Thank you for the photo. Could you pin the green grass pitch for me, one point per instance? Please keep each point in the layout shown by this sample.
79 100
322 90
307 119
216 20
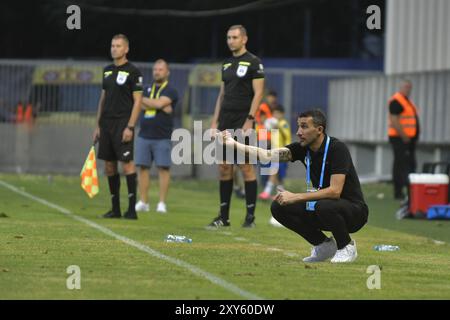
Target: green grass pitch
38 243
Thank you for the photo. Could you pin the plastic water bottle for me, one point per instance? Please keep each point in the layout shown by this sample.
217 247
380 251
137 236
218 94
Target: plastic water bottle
386 247
175 238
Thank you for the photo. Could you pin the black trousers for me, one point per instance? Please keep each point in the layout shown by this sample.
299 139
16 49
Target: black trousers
404 163
341 217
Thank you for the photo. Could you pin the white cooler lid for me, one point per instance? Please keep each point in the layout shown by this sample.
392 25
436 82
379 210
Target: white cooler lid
438 178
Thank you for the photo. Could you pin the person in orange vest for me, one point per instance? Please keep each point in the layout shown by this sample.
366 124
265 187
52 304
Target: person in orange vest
403 132
28 115
19 113
265 112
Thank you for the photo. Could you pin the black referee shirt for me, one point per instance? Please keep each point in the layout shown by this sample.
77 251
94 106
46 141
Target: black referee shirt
237 75
119 83
339 161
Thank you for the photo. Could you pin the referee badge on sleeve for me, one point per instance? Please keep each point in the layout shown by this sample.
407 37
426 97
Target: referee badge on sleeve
121 77
241 71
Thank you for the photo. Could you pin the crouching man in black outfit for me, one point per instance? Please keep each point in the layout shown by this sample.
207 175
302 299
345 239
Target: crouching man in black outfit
333 201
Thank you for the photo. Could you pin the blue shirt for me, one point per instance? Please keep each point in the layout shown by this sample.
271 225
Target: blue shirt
157 124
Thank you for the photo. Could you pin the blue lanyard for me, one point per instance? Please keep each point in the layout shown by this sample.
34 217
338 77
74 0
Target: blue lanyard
308 162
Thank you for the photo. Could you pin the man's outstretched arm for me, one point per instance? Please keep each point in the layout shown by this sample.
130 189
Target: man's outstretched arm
275 155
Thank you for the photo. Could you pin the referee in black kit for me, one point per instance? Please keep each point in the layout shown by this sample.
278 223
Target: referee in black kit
118 110
335 201
240 94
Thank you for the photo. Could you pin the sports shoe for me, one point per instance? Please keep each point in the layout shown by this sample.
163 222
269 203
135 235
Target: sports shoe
264 196
218 223
130 215
142 206
323 251
161 207
274 222
249 221
346 254
110 214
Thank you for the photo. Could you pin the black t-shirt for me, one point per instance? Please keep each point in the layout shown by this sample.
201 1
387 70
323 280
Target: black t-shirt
237 75
395 108
119 83
157 124
339 161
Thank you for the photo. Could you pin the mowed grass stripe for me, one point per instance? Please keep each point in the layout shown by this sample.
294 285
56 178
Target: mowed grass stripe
193 269
417 271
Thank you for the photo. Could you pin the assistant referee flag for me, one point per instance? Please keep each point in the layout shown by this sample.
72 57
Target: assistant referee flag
89 179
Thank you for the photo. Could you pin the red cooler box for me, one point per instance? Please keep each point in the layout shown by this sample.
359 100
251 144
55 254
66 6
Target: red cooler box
427 190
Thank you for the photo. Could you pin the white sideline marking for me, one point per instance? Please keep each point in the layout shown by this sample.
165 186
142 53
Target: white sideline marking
195 270
291 254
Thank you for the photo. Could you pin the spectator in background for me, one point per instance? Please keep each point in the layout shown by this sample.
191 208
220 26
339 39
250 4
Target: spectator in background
403 132
281 136
153 142
263 120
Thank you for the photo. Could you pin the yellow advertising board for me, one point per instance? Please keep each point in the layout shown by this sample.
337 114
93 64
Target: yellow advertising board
47 74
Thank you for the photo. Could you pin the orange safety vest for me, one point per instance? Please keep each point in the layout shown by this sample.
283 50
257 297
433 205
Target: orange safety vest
28 113
19 113
407 118
263 108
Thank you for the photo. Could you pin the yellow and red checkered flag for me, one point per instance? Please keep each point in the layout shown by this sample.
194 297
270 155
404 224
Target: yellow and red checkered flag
89 179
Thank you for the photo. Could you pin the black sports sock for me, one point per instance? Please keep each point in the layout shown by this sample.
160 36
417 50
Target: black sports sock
114 189
251 188
131 184
226 189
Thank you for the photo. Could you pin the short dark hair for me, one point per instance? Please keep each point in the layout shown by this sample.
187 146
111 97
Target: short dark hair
162 61
318 117
121 36
240 27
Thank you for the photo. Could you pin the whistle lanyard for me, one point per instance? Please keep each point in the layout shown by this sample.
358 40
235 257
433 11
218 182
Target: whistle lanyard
152 94
308 165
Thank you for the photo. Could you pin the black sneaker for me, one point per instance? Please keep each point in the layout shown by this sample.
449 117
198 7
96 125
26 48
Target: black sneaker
111 214
249 221
130 215
218 223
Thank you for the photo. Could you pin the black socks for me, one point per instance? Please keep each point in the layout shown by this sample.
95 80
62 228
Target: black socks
226 189
114 189
251 189
131 184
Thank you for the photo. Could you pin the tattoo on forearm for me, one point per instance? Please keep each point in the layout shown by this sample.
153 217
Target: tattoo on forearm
284 154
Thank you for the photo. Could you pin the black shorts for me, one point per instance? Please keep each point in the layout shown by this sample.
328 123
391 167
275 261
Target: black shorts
111 147
231 119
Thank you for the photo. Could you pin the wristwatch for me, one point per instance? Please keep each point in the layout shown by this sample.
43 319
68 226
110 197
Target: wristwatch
250 117
130 128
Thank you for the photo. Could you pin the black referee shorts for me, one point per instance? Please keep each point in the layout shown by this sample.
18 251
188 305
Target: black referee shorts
111 147
232 120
